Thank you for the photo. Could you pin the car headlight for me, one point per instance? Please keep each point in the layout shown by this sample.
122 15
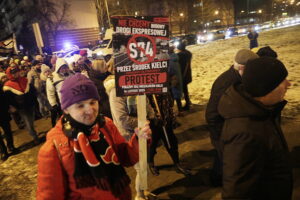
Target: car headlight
228 33
176 43
99 53
210 37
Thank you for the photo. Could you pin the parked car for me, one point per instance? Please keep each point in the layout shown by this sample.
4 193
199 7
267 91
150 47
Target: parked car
243 30
266 25
211 35
231 31
188 39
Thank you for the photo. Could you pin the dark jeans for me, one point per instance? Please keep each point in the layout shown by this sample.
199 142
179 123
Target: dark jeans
17 118
186 94
217 168
27 115
157 134
7 135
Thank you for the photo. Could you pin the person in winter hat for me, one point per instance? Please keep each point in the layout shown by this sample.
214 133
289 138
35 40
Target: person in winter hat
53 86
86 61
21 96
94 153
79 66
266 51
255 152
213 118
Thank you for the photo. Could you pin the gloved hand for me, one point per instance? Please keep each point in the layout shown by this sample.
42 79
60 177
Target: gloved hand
144 132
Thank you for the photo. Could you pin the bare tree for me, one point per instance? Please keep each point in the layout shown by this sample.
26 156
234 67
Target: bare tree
52 16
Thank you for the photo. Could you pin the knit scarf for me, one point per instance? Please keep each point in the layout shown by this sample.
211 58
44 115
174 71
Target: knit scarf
96 163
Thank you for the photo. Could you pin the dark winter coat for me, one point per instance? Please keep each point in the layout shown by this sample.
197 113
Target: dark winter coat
185 59
98 78
252 36
4 106
255 152
175 76
222 83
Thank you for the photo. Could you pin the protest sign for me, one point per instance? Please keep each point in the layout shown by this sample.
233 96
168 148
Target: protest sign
140 46
140 54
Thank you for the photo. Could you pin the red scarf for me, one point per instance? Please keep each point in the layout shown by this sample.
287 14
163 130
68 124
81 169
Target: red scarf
96 163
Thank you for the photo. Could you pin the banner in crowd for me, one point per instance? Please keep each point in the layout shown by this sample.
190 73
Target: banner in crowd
7 45
141 56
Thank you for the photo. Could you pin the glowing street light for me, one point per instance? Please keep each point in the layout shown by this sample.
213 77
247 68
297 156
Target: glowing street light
216 12
259 11
242 11
181 14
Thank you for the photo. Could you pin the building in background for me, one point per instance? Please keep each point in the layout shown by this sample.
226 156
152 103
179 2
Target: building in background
62 23
82 29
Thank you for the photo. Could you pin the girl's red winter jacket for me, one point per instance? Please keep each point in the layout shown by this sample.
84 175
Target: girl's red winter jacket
56 166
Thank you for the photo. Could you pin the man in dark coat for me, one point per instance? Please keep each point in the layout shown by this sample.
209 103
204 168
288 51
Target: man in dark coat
255 152
4 122
214 119
252 36
20 95
185 59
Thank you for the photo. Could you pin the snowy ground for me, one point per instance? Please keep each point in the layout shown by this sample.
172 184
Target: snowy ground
18 173
211 59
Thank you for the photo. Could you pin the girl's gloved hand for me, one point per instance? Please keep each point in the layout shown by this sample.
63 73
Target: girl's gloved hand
145 131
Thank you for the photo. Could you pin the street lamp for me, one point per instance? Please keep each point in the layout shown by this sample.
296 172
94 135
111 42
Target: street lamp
216 12
259 11
181 14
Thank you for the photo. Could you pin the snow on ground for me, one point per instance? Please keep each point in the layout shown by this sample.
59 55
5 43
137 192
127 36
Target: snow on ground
211 59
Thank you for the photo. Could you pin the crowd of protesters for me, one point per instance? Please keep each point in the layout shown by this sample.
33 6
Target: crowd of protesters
94 131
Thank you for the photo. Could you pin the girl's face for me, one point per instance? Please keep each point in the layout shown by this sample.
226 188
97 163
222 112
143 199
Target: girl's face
84 112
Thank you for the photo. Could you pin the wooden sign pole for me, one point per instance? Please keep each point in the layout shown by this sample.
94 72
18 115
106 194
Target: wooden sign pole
142 113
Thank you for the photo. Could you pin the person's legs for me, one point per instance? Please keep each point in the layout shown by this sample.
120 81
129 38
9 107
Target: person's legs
217 169
28 117
8 135
156 135
179 105
3 150
18 120
186 96
172 148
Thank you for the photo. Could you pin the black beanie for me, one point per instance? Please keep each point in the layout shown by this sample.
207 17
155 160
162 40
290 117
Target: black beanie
266 51
181 46
262 75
